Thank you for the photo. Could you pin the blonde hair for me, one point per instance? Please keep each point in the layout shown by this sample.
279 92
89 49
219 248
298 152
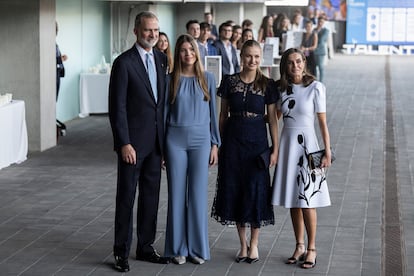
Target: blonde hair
260 81
177 70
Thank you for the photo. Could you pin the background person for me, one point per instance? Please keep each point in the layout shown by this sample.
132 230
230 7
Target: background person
247 34
247 24
295 185
236 36
193 28
205 46
321 51
137 126
60 73
313 11
164 46
296 23
282 29
208 17
243 187
266 29
60 68
308 46
228 53
192 140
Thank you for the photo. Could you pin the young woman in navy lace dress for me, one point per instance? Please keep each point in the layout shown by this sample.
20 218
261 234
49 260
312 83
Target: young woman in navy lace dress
243 187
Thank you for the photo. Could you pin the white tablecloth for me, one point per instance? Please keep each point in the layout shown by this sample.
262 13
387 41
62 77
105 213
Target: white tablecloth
13 133
93 93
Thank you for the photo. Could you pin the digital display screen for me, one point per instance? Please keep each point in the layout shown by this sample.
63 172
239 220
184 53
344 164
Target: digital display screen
380 22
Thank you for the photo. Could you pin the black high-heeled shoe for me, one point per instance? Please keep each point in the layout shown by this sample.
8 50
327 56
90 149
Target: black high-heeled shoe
241 259
309 264
253 260
293 259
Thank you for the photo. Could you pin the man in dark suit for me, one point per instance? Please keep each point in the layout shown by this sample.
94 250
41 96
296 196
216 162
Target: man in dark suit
208 17
136 101
205 47
60 73
226 50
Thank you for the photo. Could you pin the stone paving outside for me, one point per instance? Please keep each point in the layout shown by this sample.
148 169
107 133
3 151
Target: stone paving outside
57 208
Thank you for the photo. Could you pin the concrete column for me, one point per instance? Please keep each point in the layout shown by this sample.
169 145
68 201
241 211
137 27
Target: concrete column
27 67
47 73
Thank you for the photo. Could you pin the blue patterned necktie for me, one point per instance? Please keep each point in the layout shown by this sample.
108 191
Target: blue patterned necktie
152 75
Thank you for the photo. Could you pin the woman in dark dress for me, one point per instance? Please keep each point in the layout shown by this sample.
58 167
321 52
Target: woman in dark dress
308 45
243 187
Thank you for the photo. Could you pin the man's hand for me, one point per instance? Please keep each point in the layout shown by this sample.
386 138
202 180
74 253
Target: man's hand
128 154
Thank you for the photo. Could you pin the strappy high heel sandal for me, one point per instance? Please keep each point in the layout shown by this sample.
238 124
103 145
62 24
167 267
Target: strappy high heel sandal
309 264
293 259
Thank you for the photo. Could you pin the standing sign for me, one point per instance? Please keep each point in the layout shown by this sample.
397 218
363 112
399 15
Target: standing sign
267 55
213 65
275 42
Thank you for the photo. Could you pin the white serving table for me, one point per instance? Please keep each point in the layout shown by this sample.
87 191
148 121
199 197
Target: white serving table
93 93
13 133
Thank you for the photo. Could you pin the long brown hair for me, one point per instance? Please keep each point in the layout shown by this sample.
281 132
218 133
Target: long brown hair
167 51
266 28
260 81
285 80
176 72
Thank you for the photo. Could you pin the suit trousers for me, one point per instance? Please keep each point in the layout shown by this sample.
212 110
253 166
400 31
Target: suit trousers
147 173
187 155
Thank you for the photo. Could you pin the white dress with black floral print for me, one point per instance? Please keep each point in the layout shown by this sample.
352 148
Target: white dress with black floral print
295 185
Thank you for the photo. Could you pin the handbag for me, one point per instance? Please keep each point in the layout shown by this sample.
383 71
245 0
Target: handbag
263 160
315 158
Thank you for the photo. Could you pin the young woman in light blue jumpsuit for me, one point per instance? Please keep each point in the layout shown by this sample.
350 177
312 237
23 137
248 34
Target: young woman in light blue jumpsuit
192 140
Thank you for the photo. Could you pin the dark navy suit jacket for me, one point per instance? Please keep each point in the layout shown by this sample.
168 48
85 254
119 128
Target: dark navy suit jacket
221 50
135 117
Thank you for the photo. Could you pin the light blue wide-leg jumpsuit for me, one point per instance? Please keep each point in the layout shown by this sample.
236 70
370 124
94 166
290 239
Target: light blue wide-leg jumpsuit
191 130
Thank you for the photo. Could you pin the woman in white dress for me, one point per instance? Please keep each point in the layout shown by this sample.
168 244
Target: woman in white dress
296 185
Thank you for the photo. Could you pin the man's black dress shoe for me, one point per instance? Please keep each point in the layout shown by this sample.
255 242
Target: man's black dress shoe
121 264
153 257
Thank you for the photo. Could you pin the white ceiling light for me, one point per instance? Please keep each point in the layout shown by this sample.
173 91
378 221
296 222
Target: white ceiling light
287 3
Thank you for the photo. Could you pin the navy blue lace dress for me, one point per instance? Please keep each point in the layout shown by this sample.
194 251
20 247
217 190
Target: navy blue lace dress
243 192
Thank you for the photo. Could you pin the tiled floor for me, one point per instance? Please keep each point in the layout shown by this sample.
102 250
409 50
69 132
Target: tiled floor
57 208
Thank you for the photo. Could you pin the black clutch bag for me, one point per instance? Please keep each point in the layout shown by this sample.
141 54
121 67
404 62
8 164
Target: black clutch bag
315 158
263 160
